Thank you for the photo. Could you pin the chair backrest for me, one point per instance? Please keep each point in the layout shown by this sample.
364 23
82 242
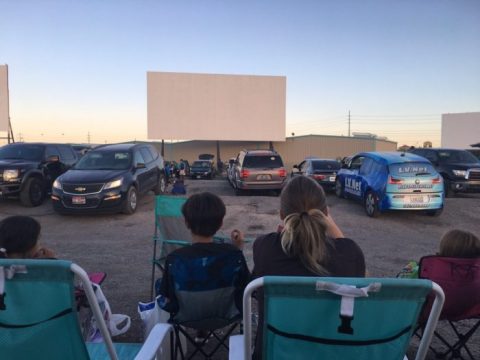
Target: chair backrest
363 318
207 289
40 319
170 225
459 279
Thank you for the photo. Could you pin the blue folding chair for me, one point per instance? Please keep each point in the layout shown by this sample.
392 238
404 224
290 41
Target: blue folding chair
38 316
337 318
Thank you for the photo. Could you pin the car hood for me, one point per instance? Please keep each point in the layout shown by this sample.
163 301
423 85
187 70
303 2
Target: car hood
16 164
91 176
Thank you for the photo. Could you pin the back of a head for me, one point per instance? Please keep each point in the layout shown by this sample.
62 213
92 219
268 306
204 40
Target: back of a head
204 213
19 234
460 243
302 204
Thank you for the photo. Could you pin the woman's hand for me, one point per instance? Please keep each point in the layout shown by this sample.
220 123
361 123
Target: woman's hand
332 230
237 238
44 253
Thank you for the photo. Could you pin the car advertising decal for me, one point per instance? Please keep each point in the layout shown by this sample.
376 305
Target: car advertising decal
412 169
353 187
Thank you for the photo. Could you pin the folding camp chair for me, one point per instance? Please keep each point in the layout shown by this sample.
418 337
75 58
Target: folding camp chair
460 280
337 318
38 316
207 293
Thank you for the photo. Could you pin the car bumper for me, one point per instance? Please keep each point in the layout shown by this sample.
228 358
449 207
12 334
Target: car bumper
200 175
465 186
415 201
272 185
8 189
103 202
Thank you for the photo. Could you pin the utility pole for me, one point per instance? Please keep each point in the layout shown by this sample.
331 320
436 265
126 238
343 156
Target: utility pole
348 123
88 137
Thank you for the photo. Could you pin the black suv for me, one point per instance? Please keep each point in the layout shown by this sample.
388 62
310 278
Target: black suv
459 168
109 178
29 169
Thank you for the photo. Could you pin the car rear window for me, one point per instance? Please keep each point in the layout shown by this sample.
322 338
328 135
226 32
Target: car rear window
325 165
263 161
412 169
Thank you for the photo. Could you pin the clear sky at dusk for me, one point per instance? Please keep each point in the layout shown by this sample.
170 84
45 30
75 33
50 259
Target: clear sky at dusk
80 66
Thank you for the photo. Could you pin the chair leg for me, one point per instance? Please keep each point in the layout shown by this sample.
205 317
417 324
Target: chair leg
221 340
178 343
462 340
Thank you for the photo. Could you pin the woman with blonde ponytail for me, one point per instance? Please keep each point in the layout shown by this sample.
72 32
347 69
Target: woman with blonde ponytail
309 244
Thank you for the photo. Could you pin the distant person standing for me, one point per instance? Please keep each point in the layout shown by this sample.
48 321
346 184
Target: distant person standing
182 171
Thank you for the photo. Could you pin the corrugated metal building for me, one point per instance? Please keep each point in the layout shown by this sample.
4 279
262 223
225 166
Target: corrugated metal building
293 150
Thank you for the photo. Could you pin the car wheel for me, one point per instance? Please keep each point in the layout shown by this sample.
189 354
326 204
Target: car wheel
131 201
435 213
338 189
447 189
371 204
33 193
161 186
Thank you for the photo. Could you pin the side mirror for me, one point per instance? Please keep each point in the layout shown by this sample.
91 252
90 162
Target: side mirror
53 158
140 166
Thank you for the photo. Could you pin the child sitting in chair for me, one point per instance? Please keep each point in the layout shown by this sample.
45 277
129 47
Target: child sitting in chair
204 215
19 239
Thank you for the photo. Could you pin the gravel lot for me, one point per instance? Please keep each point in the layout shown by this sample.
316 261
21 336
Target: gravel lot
121 245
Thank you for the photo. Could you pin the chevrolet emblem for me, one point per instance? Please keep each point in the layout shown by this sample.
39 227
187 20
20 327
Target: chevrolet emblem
80 189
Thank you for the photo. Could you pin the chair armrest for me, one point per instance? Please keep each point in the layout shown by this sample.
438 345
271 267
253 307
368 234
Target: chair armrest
235 346
154 341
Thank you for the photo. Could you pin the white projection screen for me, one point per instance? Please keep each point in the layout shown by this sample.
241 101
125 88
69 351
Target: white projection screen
184 106
4 98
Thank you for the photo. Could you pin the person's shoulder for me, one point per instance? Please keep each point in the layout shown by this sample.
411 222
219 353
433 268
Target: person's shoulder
346 245
266 240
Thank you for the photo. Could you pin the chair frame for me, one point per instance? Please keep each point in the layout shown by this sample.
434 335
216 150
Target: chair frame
258 283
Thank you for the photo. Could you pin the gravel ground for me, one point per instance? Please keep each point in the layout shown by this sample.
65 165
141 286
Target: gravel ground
122 245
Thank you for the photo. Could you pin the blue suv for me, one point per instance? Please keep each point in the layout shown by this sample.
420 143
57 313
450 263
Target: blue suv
391 181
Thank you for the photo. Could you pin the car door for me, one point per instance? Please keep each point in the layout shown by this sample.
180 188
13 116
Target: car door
352 182
152 170
366 177
141 171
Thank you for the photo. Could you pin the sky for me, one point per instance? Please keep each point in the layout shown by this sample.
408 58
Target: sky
77 69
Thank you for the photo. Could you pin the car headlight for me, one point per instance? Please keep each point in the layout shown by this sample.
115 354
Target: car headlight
461 173
57 184
11 174
113 184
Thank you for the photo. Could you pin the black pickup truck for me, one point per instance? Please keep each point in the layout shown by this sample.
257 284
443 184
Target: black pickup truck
27 170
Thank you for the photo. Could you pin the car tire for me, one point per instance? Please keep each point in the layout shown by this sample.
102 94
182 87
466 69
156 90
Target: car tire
161 186
131 202
371 204
33 193
339 189
435 213
447 189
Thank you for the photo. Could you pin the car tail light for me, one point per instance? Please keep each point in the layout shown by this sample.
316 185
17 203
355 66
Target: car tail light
437 180
319 177
244 174
395 181
282 173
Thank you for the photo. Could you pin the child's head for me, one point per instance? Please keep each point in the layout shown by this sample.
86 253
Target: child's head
19 235
459 243
204 213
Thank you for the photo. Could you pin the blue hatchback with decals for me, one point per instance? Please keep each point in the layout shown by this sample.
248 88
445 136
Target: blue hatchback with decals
391 181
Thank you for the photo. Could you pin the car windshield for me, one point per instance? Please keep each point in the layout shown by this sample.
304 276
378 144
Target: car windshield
105 160
456 156
263 161
203 164
21 152
412 169
325 165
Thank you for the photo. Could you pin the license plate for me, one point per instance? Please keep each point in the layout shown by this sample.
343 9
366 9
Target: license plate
420 199
332 178
198 176
263 177
79 200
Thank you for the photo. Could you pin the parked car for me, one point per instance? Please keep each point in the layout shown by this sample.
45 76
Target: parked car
258 170
391 181
28 170
324 171
460 169
109 178
202 169
82 149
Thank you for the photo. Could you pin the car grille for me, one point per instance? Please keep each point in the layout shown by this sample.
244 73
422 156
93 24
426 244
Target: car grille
82 189
474 174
